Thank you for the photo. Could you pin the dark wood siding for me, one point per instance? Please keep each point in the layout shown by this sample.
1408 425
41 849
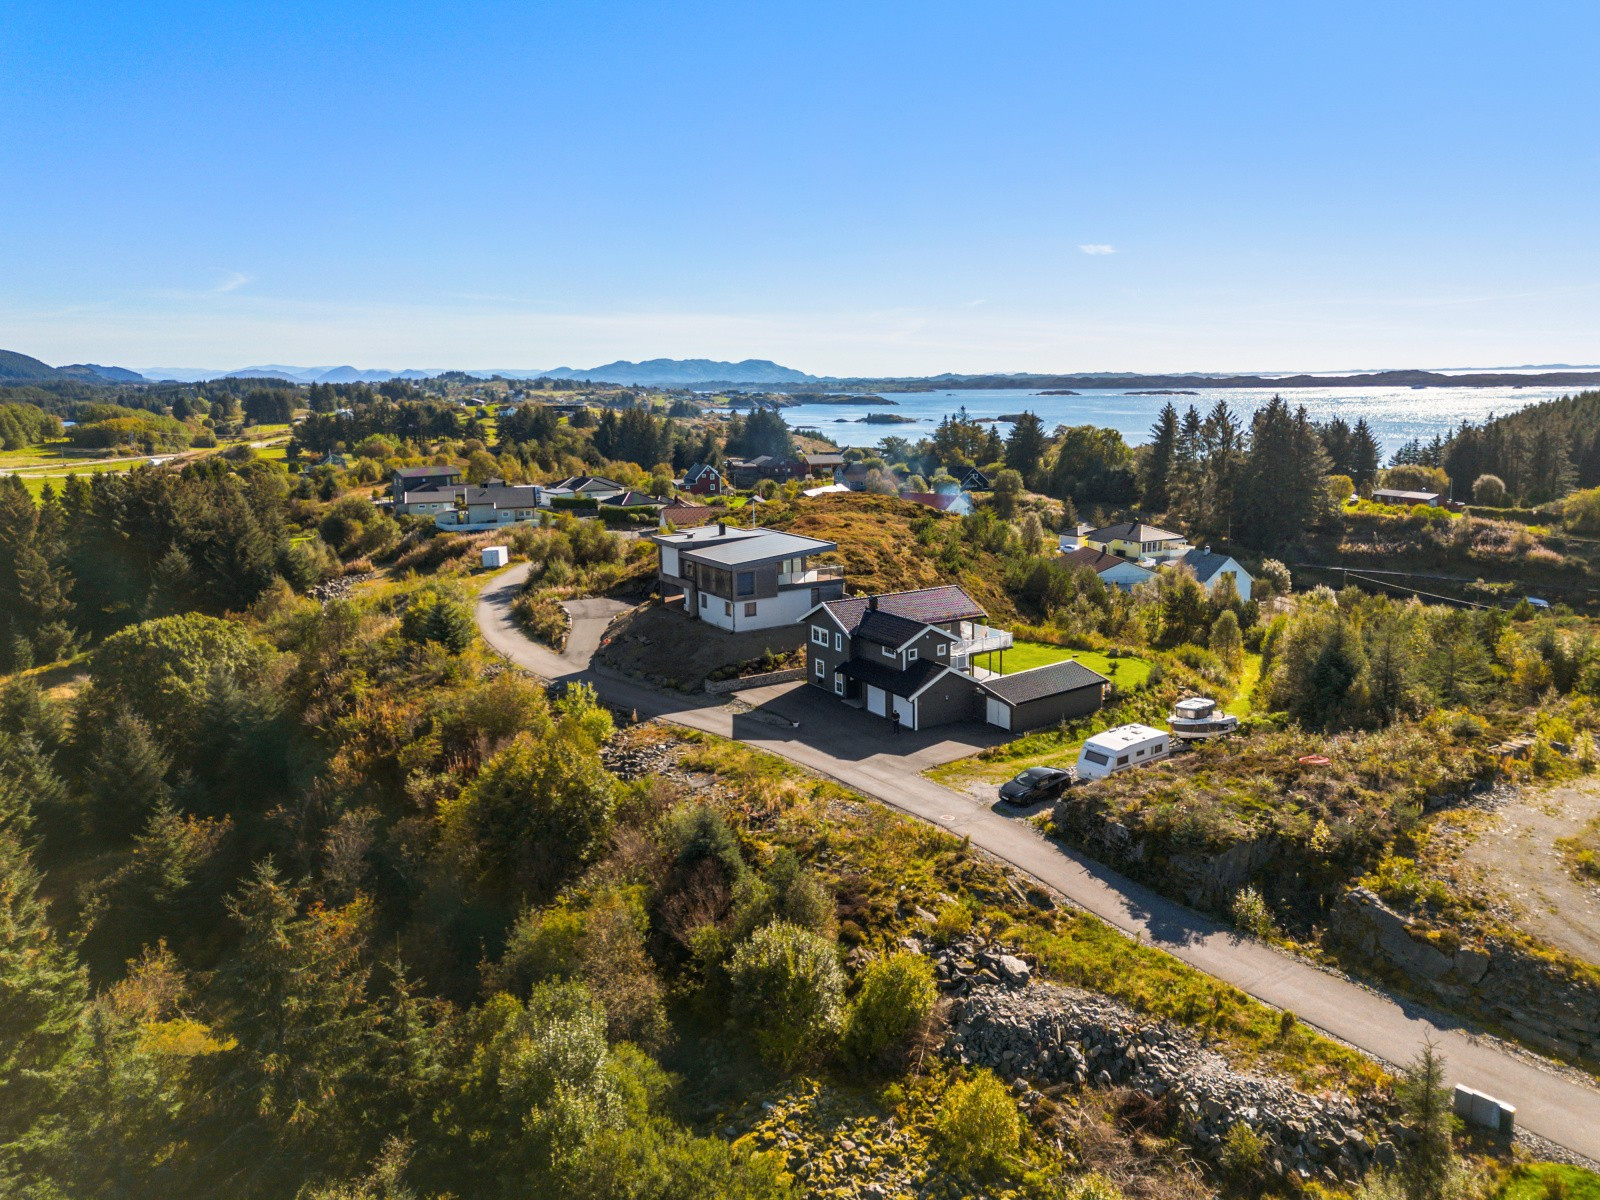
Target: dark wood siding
1049 710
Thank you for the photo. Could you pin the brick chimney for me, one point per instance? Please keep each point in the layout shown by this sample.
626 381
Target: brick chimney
872 604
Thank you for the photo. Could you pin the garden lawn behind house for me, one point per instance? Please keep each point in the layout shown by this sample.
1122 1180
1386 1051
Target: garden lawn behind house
1126 673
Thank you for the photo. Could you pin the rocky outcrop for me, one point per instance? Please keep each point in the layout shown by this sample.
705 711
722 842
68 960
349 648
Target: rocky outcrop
1203 880
1048 1035
1532 997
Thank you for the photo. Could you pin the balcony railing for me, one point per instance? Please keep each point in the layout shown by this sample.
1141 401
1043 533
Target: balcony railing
815 574
980 639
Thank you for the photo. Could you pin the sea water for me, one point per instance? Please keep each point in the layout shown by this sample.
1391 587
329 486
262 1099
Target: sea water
1396 414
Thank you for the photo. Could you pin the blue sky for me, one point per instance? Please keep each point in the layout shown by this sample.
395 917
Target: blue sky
875 188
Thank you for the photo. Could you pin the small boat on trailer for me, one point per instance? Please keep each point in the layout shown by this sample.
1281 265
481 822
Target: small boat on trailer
1198 718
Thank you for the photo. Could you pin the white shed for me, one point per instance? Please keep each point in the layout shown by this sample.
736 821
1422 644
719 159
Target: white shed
495 557
1121 748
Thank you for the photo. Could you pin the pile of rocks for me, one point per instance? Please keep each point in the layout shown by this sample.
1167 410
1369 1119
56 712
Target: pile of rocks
334 589
968 963
1054 1035
630 761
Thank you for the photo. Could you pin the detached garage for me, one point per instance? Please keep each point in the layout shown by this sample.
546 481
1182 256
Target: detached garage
1042 696
927 694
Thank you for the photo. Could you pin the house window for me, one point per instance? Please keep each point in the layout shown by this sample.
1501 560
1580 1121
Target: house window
822 668
750 609
838 684
727 608
942 650
702 599
911 655
747 583
1122 760
819 635
887 653
838 641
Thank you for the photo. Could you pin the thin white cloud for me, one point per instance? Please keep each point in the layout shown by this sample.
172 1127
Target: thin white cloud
233 282
1097 248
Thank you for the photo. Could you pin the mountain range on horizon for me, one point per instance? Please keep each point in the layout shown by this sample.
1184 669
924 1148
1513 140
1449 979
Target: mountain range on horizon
702 372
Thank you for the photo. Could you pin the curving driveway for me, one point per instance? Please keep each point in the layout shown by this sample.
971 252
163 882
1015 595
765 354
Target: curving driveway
813 730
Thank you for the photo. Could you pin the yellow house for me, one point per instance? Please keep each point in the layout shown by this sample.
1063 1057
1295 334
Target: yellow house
1133 540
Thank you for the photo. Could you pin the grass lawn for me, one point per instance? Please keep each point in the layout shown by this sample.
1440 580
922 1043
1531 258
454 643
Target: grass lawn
1542 1180
1249 677
1024 656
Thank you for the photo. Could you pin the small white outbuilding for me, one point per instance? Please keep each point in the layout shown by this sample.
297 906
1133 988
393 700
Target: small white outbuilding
495 557
1121 748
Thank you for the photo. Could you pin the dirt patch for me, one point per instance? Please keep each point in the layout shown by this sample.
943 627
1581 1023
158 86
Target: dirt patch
668 649
1516 854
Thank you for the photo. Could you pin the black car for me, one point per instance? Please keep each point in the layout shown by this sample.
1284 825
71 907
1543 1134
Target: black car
1035 784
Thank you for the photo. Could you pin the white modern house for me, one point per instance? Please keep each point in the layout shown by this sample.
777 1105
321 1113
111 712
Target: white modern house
739 579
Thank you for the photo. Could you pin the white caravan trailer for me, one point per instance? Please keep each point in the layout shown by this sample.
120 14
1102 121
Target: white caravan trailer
1121 748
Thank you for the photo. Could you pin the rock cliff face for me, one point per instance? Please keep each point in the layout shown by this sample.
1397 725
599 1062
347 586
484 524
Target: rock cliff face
1044 1035
1531 997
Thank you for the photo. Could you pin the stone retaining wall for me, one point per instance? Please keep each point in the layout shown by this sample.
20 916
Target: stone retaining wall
1534 998
754 681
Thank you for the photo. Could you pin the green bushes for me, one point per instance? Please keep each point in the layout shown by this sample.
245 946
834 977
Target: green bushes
540 616
432 617
788 990
978 1125
895 999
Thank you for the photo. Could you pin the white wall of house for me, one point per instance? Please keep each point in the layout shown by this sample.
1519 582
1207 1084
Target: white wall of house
786 608
1126 575
1241 580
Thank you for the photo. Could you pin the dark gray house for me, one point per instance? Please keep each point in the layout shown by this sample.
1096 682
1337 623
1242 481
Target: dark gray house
910 656
1045 695
423 479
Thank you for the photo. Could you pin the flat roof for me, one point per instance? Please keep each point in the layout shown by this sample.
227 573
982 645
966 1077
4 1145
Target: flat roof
730 547
1124 737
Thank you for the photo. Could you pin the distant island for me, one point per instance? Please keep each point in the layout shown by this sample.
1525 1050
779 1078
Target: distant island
867 399
1059 384
885 419
1058 392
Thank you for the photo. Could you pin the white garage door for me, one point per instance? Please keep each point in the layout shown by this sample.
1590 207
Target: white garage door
875 701
905 712
999 713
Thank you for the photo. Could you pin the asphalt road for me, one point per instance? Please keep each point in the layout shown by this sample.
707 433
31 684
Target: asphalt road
858 750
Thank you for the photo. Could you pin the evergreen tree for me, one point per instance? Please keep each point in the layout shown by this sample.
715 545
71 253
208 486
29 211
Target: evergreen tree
126 773
1158 461
1025 445
1364 454
1429 1156
295 994
43 995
